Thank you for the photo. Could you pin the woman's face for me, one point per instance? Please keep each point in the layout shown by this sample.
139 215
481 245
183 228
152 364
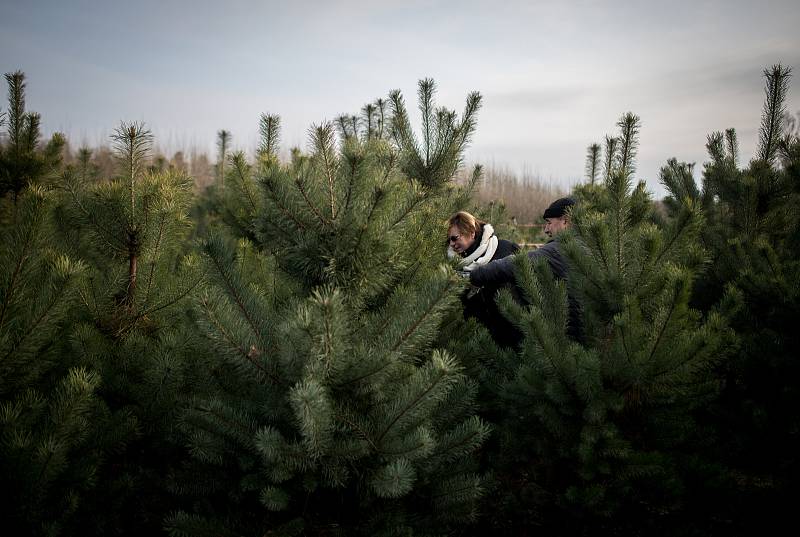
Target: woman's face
459 241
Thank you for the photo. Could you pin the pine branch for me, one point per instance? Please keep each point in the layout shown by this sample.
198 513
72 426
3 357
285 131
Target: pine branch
732 145
223 143
386 363
629 126
22 257
716 148
673 306
612 144
413 403
350 184
359 431
300 183
402 133
426 91
323 142
407 211
468 119
368 113
624 334
248 355
16 108
592 162
381 106
775 91
684 222
465 442
376 199
342 124
467 488
132 144
276 200
242 173
32 132
177 298
232 424
269 127
444 292
156 248
103 233
32 328
238 300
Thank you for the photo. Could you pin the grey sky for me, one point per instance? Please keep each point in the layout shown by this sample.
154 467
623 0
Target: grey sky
555 76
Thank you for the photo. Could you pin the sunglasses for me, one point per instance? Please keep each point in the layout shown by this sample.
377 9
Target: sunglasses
453 238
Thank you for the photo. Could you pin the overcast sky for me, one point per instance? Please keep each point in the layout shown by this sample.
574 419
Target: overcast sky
555 76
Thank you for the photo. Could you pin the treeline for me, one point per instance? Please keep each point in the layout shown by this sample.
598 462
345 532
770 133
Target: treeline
519 198
523 197
284 352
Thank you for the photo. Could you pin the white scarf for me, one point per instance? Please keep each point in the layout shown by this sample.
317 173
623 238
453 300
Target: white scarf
482 254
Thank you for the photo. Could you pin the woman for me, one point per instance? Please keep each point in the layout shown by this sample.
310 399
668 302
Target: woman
474 241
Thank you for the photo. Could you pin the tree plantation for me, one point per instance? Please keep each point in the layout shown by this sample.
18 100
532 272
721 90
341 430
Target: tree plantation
284 352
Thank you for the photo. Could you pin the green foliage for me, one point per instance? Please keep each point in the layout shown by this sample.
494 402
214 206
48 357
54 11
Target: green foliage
751 233
434 160
130 229
223 146
131 328
324 396
269 128
593 423
22 161
772 118
305 368
593 162
54 429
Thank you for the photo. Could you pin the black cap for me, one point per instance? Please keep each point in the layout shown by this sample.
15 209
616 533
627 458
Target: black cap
558 208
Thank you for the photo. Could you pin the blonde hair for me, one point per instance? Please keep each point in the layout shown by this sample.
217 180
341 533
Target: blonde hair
465 222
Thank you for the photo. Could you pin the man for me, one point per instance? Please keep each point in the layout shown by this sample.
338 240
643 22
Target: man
496 273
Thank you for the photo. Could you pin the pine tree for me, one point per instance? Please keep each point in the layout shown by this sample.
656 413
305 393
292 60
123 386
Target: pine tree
327 409
753 237
55 429
595 434
22 162
132 325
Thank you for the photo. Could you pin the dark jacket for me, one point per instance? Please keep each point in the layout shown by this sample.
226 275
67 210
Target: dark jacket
501 272
480 303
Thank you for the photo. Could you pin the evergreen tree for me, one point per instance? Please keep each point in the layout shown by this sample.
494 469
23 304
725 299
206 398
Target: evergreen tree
327 409
600 434
22 162
753 237
55 430
131 327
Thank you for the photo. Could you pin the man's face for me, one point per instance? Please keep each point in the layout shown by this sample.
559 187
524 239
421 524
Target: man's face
554 226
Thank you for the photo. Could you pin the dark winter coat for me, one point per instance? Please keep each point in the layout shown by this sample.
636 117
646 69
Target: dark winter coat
480 302
501 272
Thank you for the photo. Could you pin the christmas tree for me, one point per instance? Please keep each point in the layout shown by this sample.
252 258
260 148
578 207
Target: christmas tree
132 324
594 430
752 234
327 408
55 429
